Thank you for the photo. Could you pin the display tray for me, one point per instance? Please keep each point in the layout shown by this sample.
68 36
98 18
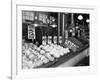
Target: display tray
64 58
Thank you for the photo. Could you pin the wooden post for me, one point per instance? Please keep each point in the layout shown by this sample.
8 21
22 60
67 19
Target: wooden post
66 25
72 19
63 28
58 28
72 24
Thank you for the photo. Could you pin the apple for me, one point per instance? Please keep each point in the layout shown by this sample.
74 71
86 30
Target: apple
51 58
42 52
45 60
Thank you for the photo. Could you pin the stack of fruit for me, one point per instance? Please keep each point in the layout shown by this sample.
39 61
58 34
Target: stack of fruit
34 56
71 45
54 50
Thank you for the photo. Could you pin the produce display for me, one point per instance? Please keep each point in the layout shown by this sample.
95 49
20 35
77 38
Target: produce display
34 56
71 45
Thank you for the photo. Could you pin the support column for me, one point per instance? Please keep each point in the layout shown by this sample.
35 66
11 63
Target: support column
72 19
58 28
63 28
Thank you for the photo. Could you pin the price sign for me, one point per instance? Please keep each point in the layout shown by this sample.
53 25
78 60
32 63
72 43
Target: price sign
31 32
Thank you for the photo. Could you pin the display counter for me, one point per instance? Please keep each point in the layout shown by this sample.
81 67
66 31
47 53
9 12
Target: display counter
69 59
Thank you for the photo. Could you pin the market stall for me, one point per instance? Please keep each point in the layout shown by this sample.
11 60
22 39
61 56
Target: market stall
53 39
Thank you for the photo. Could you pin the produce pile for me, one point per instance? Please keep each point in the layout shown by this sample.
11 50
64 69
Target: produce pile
71 45
34 56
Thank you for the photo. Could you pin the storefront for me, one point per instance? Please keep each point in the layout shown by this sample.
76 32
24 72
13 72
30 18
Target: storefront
54 39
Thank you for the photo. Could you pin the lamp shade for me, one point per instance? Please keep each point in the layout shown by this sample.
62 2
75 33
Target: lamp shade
53 25
35 23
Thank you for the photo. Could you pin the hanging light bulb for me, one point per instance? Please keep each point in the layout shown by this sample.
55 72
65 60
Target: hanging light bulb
54 25
80 17
87 20
35 17
35 25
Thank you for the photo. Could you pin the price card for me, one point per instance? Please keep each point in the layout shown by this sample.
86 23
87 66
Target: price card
31 32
